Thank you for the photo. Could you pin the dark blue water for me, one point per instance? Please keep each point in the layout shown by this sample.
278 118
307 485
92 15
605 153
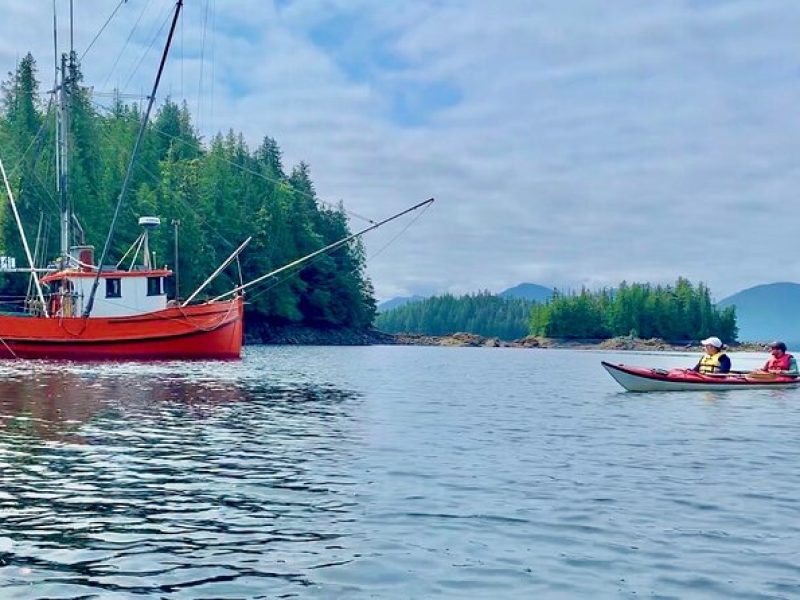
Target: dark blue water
393 472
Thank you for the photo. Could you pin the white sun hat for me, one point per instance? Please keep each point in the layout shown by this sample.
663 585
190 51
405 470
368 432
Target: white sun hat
712 341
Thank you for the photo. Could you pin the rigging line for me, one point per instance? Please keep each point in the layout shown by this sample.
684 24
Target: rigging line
55 47
153 40
117 95
213 48
325 250
102 29
244 169
154 178
330 205
202 65
296 271
299 268
139 136
14 354
182 44
291 273
157 179
125 45
13 169
401 232
274 180
48 195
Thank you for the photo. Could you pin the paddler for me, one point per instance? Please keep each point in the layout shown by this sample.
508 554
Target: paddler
714 360
781 362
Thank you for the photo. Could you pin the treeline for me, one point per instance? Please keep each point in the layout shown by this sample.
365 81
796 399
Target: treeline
220 192
674 313
682 312
481 313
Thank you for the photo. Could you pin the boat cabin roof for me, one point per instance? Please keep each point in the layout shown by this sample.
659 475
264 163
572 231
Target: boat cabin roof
109 274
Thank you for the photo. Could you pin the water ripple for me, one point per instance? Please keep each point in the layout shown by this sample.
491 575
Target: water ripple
390 473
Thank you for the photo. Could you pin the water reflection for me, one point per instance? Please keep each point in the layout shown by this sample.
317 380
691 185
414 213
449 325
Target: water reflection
132 480
50 406
51 403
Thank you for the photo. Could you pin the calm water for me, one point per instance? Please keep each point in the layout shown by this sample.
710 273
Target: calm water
393 472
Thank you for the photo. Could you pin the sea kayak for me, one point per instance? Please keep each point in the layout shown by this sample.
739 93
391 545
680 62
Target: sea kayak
643 379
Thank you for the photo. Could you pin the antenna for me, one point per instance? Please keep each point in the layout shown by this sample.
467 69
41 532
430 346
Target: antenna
71 32
148 223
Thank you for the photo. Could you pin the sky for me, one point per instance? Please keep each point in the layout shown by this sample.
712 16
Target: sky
568 144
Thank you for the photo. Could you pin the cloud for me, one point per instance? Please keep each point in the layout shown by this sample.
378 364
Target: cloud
567 143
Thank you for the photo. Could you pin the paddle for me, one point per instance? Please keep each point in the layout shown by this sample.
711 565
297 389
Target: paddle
728 374
769 374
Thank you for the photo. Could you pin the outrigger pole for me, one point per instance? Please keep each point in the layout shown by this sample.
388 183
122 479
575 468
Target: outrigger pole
90 302
24 240
327 248
220 268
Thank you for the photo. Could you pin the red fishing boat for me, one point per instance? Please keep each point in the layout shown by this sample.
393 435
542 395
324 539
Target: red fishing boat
211 330
82 309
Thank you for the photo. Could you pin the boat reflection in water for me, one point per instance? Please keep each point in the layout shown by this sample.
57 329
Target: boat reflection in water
56 401
50 405
51 402
133 479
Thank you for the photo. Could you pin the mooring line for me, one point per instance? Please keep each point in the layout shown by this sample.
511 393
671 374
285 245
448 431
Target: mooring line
14 354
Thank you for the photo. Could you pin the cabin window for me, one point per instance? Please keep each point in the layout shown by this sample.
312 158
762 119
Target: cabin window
113 287
154 286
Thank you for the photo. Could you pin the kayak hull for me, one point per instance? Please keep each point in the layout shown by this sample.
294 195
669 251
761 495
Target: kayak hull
642 379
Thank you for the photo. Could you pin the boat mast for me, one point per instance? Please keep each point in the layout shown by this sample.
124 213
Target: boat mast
57 111
62 181
63 91
90 302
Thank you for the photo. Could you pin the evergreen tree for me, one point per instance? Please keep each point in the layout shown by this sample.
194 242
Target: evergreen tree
482 314
680 313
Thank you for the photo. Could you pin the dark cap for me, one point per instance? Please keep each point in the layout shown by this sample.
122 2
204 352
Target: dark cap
779 345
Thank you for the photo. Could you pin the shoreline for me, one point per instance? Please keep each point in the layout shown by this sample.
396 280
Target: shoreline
614 344
309 336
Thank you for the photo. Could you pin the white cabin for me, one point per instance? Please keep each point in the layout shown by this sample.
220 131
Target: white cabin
119 293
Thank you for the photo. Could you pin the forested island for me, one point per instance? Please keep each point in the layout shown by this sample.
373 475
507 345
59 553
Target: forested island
679 314
482 314
216 193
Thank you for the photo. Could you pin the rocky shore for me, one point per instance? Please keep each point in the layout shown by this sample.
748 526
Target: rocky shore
262 333
618 343
309 336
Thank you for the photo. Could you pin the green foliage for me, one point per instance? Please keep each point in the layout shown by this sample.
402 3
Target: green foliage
221 194
680 313
482 314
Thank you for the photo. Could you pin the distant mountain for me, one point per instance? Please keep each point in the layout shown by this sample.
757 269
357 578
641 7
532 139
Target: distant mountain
397 302
768 312
525 291
528 291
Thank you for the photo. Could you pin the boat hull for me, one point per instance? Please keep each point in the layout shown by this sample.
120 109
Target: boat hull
204 331
641 379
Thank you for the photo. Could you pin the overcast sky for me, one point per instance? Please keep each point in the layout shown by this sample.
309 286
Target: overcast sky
567 143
